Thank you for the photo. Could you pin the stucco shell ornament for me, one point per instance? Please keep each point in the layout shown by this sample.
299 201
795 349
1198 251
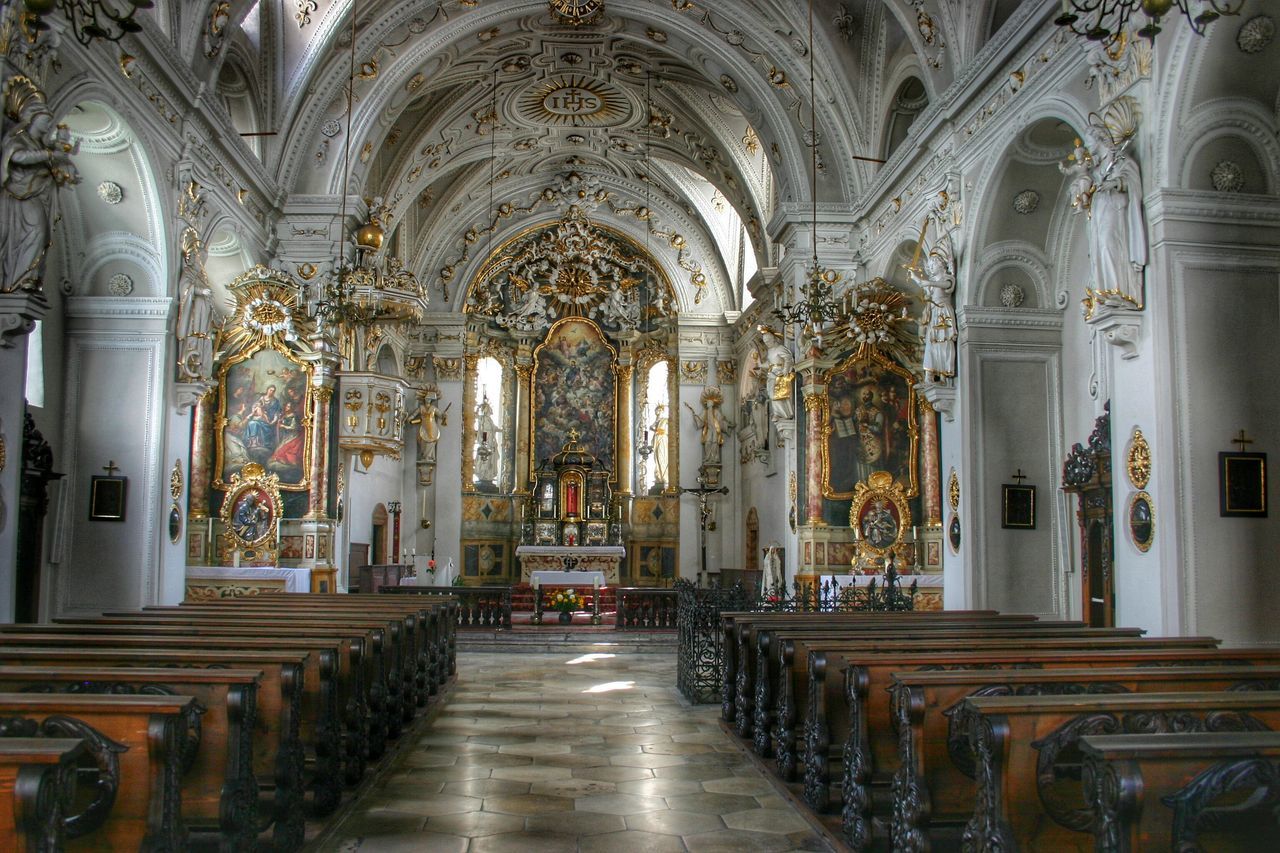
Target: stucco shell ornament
120 285
1256 34
1011 296
110 192
1227 177
268 317
1026 202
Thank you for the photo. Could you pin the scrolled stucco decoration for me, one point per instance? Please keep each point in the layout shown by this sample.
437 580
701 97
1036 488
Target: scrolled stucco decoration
1012 296
1256 34
1026 202
1227 177
120 285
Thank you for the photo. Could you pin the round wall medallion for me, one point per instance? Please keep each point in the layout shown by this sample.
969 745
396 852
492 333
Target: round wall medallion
175 523
1256 33
120 285
1011 296
953 534
1142 521
110 192
573 101
1026 202
1227 177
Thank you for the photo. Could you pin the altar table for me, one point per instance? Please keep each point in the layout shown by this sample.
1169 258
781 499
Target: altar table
583 558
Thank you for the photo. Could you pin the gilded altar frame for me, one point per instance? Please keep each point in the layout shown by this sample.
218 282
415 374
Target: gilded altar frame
874 365
879 496
617 380
246 532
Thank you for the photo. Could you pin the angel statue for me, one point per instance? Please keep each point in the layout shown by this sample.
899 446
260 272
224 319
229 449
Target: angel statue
938 320
35 159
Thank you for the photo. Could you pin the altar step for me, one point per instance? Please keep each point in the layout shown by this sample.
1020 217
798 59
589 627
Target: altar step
560 639
522 598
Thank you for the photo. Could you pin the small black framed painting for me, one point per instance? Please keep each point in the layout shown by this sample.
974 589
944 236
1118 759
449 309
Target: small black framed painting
107 498
1018 505
1242 485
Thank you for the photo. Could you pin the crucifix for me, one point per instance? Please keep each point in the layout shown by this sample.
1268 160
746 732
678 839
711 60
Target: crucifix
111 467
703 492
1243 440
1019 476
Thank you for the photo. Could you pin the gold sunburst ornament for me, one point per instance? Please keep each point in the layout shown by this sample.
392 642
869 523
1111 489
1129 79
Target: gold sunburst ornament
1139 461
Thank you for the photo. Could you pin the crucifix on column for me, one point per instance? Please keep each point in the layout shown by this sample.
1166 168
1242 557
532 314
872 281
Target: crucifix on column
703 492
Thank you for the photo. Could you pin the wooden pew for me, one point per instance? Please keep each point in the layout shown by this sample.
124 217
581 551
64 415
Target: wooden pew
779 650
1022 802
737 653
933 785
860 715
37 786
278 754
1155 792
136 744
219 789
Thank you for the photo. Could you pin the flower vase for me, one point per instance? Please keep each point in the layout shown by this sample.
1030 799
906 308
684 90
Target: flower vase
566 618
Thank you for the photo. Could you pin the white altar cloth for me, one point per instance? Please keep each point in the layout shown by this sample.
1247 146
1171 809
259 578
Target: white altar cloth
295 579
583 579
587 558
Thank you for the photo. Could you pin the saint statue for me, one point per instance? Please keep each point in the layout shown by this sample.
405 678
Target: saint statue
711 426
938 320
35 159
781 365
1107 187
661 447
429 420
487 456
760 407
195 313
772 579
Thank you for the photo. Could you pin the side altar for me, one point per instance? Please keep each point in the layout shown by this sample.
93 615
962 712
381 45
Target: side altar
571 520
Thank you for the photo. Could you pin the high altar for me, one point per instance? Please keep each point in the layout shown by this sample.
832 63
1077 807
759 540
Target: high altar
571 520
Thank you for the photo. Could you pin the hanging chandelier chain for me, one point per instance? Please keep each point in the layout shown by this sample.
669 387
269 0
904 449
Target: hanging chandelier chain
493 156
1107 20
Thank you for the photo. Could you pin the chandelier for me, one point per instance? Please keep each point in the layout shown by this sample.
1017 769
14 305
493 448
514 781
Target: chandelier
1105 20
89 19
370 291
817 309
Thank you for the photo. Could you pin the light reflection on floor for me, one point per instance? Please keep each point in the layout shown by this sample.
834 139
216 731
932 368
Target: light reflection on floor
580 754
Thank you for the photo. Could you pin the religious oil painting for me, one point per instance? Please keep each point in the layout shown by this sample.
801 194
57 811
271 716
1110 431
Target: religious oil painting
264 406
1018 505
879 523
253 515
574 391
869 425
1242 485
107 498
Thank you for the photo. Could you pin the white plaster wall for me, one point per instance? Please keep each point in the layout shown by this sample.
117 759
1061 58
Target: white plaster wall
366 489
448 480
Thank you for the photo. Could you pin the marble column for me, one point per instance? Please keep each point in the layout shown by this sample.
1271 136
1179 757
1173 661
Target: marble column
203 425
813 406
318 473
626 470
931 478
469 420
524 391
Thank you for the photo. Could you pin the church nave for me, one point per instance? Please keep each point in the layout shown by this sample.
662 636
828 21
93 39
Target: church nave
571 752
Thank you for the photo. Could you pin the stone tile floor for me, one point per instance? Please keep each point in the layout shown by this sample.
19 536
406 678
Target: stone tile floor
567 752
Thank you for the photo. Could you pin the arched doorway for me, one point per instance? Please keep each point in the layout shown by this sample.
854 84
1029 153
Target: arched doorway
751 563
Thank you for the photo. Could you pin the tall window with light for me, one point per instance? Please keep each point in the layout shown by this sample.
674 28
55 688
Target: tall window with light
655 425
487 455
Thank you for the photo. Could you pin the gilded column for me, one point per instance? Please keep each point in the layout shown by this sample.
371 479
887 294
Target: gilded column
524 375
203 424
626 468
469 420
931 481
318 473
814 405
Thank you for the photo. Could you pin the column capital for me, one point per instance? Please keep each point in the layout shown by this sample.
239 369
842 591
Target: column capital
18 314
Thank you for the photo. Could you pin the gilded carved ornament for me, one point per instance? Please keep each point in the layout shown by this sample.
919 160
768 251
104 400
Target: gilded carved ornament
953 491
1139 461
880 517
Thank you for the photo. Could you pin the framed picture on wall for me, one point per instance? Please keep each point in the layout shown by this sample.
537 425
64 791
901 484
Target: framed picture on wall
1242 485
107 498
1018 507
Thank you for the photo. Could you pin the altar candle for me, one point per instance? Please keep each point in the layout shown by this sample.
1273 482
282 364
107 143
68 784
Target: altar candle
235 558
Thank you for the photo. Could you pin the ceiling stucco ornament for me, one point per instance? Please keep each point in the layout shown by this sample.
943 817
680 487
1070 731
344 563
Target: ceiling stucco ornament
1012 296
120 285
1026 202
1256 34
577 12
1227 177
573 100
331 128
110 192
730 85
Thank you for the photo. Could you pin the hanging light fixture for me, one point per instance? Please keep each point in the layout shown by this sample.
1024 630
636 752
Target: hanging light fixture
88 19
817 312
1106 20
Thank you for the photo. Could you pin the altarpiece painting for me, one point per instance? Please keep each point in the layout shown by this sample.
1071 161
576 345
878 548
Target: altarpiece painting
869 425
264 417
574 388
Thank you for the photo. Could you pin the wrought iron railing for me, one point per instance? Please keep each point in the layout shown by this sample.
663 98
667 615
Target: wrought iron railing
478 606
700 653
644 607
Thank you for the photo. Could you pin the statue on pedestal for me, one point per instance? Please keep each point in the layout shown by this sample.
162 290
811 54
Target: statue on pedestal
781 366
429 420
195 313
35 159
711 425
487 457
938 320
661 448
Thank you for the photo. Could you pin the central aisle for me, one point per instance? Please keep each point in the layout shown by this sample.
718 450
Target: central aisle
566 753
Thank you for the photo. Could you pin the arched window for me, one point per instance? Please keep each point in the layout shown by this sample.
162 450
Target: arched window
655 422
35 366
488 456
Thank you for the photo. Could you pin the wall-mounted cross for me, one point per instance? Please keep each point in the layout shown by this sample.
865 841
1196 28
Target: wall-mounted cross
1243 440
111 467
1019 477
